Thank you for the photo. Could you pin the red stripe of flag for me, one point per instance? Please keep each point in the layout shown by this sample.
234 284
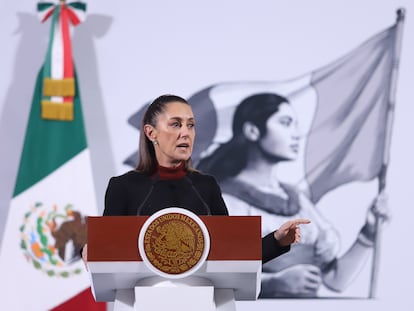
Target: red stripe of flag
83 301
67 47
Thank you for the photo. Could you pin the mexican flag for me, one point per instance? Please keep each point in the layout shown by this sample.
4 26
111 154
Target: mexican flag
54 190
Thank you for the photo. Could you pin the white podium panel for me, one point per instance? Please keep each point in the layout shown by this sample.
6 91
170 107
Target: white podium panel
200 298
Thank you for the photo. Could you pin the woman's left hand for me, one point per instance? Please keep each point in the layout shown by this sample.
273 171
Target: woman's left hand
377 213
289 232
379 210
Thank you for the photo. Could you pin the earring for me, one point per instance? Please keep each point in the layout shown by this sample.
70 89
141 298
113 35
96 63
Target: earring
155 142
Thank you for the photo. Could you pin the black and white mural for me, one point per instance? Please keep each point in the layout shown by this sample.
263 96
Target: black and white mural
331 127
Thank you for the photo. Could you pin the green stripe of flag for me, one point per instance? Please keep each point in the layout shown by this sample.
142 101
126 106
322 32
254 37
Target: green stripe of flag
48 143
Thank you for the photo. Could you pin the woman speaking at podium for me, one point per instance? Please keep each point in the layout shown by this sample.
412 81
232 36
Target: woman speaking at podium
165 178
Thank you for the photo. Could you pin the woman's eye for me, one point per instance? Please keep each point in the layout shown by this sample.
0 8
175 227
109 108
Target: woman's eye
286 121
190 126
176 124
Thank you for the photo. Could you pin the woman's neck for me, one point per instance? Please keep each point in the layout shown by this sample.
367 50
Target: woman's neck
260 171
170 172
171 165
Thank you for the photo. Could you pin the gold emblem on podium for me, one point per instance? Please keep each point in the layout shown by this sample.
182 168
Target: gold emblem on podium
174 243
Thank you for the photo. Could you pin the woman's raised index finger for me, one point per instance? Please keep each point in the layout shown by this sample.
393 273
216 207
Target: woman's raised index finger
301 221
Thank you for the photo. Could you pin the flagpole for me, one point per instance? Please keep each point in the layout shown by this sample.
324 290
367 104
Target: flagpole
382 176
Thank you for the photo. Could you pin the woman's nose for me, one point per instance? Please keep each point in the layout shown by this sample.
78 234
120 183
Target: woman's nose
185 132
297 133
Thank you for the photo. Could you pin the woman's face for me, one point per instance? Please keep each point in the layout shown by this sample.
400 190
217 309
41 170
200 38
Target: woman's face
174 133
282 135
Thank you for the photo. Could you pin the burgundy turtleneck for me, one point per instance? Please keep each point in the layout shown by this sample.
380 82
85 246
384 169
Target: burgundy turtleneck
168 173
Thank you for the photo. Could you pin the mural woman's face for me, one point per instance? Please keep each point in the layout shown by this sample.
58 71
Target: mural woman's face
282 135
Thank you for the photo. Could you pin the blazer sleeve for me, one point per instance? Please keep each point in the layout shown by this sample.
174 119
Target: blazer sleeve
115 199
271 248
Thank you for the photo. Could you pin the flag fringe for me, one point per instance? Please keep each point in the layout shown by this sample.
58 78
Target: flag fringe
57 111
62 87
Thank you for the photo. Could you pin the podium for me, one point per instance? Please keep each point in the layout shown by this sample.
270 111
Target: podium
120 271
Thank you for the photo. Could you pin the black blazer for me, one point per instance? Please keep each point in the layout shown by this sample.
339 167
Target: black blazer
137 194
134 193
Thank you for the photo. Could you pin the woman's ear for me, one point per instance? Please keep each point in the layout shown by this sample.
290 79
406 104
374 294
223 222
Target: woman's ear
251 131
150 132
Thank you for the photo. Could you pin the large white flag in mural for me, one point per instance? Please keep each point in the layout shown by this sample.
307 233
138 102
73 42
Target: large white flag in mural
342 110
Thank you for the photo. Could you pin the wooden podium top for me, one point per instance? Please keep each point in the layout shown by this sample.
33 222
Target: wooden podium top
115 238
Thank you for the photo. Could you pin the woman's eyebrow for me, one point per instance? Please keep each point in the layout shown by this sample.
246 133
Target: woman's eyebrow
180 118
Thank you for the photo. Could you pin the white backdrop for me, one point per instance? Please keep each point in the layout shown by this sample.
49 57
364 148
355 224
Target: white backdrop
129 52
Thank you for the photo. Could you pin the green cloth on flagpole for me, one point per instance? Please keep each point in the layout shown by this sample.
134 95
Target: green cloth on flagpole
48 143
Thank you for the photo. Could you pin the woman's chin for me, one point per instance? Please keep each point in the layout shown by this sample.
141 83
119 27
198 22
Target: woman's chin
183 157
287 158
293 157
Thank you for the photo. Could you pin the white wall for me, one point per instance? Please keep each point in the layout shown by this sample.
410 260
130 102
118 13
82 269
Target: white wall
129 52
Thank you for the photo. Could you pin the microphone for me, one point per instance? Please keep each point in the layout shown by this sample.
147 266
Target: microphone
148 195
205 205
